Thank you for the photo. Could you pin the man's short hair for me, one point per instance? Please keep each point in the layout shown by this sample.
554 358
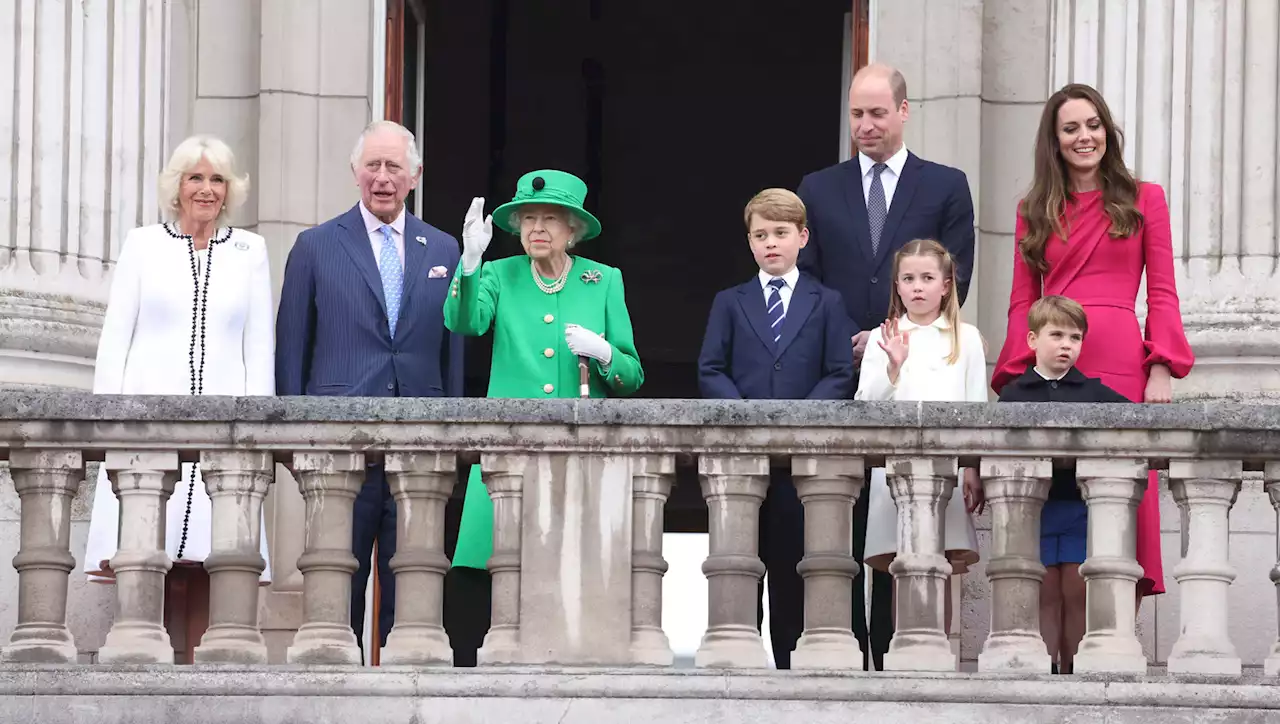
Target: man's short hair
1058 310
776 205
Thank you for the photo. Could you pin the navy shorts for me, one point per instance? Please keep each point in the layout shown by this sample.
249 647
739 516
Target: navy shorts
1064 526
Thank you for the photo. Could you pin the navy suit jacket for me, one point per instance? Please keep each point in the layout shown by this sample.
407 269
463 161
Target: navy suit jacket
813 360
332 334
931 201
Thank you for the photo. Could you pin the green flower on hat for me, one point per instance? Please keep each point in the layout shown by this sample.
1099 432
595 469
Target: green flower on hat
556 188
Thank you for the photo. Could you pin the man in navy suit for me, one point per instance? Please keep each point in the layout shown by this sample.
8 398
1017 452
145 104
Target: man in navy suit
860 213
779 336
361 315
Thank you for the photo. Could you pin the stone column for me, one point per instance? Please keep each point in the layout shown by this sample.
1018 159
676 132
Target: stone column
504 476
421 484
1016 489
82 139
46 481
1112 488
329 483
734 487
828 487
236 482
651 479
143 482
1271 475
921 489
1205 490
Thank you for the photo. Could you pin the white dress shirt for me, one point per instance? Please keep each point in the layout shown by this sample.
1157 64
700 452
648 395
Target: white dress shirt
888 177
785 292
373 225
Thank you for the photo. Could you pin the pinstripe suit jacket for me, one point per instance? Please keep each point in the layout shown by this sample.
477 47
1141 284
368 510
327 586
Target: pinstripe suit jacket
332 335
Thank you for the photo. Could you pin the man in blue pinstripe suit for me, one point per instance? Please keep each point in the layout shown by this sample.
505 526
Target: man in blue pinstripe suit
361 315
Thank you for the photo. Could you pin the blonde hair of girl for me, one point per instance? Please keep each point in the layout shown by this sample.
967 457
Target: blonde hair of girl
950 308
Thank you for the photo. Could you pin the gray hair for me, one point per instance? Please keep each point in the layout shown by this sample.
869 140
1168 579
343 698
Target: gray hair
186 157
577 225
411 156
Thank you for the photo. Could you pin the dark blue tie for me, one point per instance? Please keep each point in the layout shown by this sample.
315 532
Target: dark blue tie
877 209
776 309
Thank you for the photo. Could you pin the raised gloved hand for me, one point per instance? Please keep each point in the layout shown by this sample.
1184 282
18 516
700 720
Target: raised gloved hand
477 230
585 343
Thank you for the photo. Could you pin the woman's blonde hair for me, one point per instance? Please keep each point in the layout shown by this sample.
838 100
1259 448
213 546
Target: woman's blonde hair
184 158
950 299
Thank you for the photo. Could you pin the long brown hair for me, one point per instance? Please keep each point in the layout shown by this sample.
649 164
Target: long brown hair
1045 204
950 299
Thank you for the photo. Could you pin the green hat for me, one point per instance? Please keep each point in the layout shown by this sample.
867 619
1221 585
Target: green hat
556 188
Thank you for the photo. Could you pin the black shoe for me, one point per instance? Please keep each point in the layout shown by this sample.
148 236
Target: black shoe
1053 668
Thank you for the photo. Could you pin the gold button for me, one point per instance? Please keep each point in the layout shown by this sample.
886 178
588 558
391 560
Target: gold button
455 292
548 388
548 352
549 319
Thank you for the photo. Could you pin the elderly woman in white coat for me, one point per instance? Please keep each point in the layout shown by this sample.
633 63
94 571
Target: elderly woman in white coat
190 313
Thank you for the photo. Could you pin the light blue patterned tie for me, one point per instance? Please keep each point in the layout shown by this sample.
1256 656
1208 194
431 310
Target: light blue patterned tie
877 209
392 277
777 310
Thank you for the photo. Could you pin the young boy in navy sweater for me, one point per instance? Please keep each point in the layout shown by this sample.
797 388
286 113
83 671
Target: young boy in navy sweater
1057 329
779 336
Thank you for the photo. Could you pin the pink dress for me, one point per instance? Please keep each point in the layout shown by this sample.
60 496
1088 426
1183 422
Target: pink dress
1103 275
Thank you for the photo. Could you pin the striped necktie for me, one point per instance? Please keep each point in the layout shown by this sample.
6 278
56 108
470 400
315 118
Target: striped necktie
776 309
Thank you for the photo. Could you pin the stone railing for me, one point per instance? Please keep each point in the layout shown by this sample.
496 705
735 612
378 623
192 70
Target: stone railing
579 489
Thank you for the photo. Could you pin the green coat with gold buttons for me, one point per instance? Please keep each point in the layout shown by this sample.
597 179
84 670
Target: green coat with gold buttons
530 357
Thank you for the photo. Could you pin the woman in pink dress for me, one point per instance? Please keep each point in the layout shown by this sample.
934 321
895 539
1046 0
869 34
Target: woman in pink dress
1086 230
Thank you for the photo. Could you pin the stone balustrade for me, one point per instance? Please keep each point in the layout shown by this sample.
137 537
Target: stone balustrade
579 489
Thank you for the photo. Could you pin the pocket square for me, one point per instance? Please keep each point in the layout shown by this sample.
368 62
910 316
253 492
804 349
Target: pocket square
437 272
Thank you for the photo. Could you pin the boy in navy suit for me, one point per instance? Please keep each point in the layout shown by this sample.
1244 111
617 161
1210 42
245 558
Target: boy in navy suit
779 336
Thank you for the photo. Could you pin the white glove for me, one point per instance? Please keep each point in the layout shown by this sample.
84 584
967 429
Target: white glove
585 343
475 235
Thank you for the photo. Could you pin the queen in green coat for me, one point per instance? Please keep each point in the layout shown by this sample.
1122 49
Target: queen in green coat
546 309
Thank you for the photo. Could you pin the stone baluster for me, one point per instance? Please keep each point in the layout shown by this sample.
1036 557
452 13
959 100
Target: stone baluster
921 488
734 486
143 482
421 484
1112 488
1271 476
504 477
1205 490
1016 489
46 481
651 479
236 482
828 486
329 483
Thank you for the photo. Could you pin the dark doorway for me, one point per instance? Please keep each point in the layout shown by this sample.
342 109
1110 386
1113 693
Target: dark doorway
675 113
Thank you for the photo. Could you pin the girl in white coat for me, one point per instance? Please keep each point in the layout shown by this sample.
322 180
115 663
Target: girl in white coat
923 352
190 313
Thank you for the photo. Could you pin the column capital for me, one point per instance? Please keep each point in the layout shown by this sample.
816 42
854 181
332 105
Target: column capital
1016 467
921 466
142 460
732 464
437 463
828 466
1225 470
237 461
651 464
328 462
45 459
1114 468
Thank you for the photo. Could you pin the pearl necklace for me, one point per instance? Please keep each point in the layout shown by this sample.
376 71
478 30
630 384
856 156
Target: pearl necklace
555 286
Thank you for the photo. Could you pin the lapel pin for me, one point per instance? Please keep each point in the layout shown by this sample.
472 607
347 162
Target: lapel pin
421 240
242 245
591 276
